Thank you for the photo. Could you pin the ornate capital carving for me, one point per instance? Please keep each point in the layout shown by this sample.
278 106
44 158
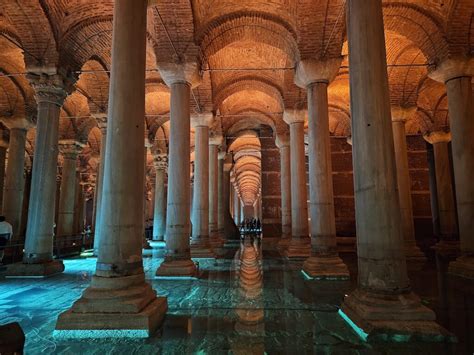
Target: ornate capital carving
216 139
160 161
70 149
50 88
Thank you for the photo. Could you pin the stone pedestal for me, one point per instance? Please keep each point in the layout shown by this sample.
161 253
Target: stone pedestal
457 74
119 302
200 245
300 244
382 307
180 78
324 262
283 143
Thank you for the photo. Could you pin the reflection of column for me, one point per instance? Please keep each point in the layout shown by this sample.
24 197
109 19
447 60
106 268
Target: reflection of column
15 181
457 74
69 150
159 213
300 242
324 262
101 120
118 301
383 303
214 143
283 143
399 117
179 78
200 246
444 184
38 255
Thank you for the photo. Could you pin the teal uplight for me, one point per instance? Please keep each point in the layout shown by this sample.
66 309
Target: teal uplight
360 332
306 276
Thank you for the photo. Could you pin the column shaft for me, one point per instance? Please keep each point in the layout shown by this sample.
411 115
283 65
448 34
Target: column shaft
220 197
99 192
285 181
159 214
213 189
200 216
65 226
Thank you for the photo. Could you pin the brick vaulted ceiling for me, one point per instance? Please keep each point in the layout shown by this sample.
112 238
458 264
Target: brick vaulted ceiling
247 50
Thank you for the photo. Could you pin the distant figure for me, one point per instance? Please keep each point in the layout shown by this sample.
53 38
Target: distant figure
5 235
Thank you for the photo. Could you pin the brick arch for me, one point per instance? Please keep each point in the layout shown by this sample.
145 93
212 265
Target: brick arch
421 27
94 84
257 117
255 26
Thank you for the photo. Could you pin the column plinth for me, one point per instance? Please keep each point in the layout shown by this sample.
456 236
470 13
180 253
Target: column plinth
300 243
200 244
119 302
456 74
383 307
283 143
324 262
180 78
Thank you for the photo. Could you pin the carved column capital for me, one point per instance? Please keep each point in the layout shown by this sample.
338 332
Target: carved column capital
50 88
160 162
70 149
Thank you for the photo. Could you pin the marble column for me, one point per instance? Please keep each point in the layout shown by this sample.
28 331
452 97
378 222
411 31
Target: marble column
214 143
119 302
69 150
14 180
383 305
444 185
220 194
283 143
101 119
38 255
159 213
200 245
231 232
3 155
300 243
400 115
324 262
180 78
456 73
236 206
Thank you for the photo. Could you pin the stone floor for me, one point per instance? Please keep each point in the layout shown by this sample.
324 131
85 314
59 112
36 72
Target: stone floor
276 311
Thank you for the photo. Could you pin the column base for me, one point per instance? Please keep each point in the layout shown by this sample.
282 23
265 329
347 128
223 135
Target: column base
114 307
447 248
201 250
413 254
391 318
462 266
299 248
39 270
158 244
177 268
325 268
284 242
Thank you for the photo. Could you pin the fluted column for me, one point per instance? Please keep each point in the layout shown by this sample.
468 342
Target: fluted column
14 180
399 118
69 150
383 304
283 143
444 184
456 73
159 214
101 119
179 78
300 244
214 143
324 263
38 255
200 245
119 302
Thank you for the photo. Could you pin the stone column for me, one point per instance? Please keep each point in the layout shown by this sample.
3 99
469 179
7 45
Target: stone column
159 214
3 155
200 245
118 301
231 232
101 119
220 195
38 254
214 143
283 143
15 181
457 74
399 117
180 78
324 263
444 185
69 150
383 304
300 244
236 206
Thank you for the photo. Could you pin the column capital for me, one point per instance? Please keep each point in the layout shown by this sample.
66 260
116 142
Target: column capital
294 116
50 88
202 119
70 148
101 119
160 161
222 155
309 71
23 123
452 68
437 137
402 114
349 140
186 72
216 139
282 140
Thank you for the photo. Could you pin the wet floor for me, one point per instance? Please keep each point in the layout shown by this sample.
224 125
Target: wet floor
251 301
